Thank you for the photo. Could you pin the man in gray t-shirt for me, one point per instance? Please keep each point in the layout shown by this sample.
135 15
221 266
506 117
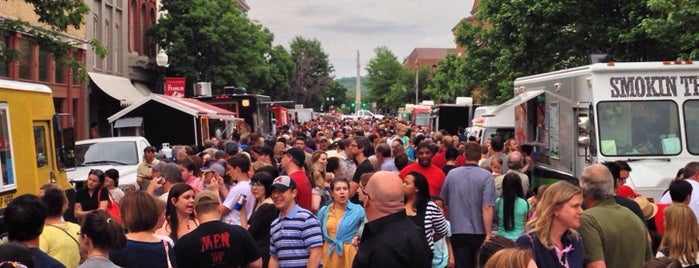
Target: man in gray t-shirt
469 193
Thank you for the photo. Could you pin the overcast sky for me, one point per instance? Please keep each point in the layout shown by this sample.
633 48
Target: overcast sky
345 26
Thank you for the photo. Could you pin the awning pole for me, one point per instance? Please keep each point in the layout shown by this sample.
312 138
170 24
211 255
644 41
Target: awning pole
196 137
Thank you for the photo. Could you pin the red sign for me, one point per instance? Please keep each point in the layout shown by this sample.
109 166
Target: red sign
174 86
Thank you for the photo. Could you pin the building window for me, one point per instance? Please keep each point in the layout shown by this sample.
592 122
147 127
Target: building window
144 26
25 59
133 14
109 45
44 65
77 56
60 73
5 43
117 47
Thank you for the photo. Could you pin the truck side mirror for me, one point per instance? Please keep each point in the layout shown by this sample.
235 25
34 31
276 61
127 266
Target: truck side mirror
584 124
584 127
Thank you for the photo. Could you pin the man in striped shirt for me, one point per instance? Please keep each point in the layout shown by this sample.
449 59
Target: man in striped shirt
296 239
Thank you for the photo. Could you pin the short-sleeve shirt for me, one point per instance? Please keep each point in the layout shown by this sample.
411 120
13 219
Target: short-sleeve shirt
466 190
613 234
363 168
433 174
60 241
241 188
90 202
216 244
292 237
303 189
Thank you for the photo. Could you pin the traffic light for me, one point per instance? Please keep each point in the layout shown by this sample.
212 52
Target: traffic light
363 105
352 107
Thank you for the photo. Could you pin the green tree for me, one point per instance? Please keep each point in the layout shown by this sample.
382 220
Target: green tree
57 16
676 22
535 36
383 74
213 41
312 76
448 81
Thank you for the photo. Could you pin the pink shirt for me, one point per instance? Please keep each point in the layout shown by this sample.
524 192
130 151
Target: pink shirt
195 183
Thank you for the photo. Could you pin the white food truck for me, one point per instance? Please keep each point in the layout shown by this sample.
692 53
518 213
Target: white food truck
644 113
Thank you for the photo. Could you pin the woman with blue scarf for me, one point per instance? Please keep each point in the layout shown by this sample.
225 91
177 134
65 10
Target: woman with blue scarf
339 221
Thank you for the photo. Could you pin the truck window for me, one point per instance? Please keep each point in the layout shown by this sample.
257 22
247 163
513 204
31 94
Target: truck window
691 122
40 145
7 176
648 128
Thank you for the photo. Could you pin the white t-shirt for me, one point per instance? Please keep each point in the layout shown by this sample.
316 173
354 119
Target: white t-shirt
242 187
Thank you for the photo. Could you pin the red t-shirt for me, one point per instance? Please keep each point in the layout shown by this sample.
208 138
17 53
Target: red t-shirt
440 160
626 191
660 218
435 176
303 189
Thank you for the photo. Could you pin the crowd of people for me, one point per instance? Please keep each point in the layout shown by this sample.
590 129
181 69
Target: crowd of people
355 194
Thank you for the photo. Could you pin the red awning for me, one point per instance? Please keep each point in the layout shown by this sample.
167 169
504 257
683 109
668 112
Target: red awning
193 107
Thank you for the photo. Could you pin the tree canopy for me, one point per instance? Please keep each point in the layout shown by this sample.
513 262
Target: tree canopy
513 38
311 81
213 41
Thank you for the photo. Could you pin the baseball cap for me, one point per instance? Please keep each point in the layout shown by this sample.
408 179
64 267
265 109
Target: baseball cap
206 198
283 183
215 167
298 155
231 148
149 149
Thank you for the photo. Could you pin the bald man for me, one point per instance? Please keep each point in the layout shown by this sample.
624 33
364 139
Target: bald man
390 239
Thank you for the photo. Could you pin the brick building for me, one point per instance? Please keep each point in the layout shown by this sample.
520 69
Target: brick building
36 65
426 57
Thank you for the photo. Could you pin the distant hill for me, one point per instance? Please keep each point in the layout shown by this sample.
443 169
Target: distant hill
350 83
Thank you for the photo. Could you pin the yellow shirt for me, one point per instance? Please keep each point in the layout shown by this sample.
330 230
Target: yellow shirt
56 241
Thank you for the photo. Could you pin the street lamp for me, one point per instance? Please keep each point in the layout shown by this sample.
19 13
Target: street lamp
162 61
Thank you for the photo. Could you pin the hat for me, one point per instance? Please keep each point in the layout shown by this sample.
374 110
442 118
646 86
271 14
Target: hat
215 167
283 183
206 198
158 166
649 209
298 155
231 148
322 138
149 149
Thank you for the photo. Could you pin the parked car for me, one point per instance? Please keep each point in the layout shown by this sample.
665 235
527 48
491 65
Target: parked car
364 114
121 153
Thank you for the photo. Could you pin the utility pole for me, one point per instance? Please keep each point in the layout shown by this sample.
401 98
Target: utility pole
358 93
417 80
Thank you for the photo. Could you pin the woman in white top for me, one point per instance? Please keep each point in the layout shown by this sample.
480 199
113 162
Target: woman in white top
111 182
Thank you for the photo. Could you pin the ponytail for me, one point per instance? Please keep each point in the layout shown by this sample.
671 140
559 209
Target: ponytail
105 232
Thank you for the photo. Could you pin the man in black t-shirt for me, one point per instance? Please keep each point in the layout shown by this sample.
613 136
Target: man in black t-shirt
215 243
361 149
